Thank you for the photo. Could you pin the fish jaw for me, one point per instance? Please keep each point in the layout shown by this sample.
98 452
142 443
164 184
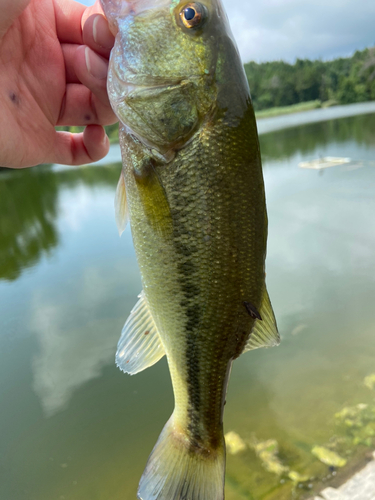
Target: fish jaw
160 97
153 50
119 9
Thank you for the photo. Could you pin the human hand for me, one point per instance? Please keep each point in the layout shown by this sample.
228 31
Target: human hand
53 72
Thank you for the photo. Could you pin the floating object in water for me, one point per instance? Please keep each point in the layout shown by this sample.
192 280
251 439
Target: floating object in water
268 451
370 381
326 162
296 477
328 457
234 443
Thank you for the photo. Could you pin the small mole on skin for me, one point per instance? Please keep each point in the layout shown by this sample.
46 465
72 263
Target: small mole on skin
87 118
14 98
148 331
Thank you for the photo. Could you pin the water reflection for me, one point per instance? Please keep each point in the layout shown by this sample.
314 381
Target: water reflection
76 427
356 131
27 223
29 208
72 352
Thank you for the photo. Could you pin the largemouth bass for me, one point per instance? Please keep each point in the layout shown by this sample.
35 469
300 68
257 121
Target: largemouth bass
192 187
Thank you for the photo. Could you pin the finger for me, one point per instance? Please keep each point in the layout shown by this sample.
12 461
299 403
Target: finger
10 10
94 9
79 149
69 53
82 107
68 14
97 66
97 36
91 70
70 18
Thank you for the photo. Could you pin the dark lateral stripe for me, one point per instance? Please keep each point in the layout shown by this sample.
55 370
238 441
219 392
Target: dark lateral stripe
193 316
190 289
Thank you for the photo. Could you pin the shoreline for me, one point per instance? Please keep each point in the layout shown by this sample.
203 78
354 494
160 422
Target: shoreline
265 126
272 124
359 483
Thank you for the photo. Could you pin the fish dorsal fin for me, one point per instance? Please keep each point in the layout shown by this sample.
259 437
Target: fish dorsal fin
264 333
139 346
121 205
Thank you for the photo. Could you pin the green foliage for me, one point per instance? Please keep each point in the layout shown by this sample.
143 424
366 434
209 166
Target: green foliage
302 86
111 130
345 80
286 110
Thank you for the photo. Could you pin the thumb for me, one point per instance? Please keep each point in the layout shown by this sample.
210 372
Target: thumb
10 10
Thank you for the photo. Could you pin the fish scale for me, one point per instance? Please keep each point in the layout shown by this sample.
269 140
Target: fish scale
196 204
216 276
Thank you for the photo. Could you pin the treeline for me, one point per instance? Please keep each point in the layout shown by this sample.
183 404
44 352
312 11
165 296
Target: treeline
341 81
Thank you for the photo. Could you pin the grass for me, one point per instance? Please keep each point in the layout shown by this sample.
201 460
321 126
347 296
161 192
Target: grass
294 108
286 110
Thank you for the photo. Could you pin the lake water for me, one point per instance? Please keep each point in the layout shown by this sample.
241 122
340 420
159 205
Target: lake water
73 427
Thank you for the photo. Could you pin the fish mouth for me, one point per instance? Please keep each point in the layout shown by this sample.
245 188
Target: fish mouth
123 81
115 9
139 105
120 89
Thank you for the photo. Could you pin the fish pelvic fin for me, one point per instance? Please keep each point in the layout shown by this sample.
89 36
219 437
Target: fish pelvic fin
139 346
121 205
177 471
264 332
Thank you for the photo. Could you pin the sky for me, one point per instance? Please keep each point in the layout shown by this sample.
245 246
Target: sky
268 30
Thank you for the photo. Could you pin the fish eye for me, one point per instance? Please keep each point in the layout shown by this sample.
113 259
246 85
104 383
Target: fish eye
193 15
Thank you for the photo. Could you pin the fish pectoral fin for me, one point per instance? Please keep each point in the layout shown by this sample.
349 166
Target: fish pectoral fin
153 197
139 346
264 332
121 205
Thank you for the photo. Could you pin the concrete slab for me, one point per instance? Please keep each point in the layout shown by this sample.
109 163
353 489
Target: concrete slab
360 487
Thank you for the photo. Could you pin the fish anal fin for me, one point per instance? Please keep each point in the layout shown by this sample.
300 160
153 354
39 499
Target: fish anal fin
264 332
175 470
121 205
139 346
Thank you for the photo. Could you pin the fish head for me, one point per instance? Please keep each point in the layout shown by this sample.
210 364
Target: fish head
161 80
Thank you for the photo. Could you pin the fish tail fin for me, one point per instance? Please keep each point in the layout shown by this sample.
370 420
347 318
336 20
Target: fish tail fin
177 471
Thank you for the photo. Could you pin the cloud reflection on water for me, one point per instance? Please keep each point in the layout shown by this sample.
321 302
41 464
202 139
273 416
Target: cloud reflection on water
93 282
74 344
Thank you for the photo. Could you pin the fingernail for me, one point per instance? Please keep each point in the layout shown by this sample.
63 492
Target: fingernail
96 65
101 33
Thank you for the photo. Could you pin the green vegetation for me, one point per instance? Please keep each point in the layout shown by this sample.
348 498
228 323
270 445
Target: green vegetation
279 88
29 231
343 80
286 110
112 131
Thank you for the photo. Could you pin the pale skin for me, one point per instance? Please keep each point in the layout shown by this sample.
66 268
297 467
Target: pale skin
53 71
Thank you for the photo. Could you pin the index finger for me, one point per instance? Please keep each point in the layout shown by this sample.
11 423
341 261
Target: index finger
68 15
